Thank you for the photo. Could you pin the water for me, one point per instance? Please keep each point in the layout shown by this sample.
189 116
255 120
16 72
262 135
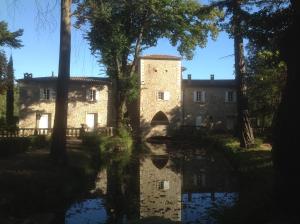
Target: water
165 186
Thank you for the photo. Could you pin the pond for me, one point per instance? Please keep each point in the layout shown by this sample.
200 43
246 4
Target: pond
162 186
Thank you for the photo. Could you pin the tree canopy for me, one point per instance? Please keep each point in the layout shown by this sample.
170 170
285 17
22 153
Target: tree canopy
120 30
10 39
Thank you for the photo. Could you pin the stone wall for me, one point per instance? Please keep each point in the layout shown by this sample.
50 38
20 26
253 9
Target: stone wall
159 75
214 108
155 201
78 107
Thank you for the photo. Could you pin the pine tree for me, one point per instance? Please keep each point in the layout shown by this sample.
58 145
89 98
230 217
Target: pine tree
10 93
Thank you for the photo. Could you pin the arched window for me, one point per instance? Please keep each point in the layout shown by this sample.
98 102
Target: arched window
160 119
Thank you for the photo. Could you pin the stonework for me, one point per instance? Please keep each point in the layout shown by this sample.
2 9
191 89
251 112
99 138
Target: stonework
32 106
160 191
159 76
165 101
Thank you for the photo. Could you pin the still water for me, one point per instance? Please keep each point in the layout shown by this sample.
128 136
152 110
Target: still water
162 186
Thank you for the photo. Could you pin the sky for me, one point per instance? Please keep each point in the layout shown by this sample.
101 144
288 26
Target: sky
40 52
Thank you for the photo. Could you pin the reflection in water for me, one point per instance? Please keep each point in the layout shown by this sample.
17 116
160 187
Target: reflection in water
182 186
89 211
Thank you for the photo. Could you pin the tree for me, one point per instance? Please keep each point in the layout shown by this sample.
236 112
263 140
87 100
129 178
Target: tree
266 76
3 68
234 26
10 94
8 38
120 30
275 25
58 145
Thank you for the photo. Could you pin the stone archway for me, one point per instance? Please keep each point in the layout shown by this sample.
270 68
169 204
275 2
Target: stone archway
160 118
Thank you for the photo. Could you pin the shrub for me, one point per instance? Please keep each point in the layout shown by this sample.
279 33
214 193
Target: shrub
40 141
91 139
13 145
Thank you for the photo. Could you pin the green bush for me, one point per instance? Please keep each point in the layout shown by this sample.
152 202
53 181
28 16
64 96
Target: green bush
91 139
13 145
39 141
117 148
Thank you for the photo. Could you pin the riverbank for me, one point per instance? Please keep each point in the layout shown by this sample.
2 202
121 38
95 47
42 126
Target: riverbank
33 189
254 170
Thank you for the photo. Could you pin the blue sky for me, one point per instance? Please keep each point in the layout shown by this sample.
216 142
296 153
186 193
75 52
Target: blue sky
39 55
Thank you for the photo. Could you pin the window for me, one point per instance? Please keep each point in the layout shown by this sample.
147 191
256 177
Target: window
163 95
45 94
199 96
92 95
230 96
164 185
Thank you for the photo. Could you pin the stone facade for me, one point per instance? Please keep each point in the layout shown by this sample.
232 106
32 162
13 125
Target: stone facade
160 92
160 189
165 101
33 103
215 106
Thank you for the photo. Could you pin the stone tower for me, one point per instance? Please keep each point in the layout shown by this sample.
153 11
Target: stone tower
160 94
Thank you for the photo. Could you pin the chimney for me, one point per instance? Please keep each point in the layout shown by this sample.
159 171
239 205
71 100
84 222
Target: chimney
212 77
52 74
189 78
27 75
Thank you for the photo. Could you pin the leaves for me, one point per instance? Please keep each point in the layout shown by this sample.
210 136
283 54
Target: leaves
8 38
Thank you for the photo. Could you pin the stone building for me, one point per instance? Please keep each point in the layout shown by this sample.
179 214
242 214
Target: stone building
89 102
165 102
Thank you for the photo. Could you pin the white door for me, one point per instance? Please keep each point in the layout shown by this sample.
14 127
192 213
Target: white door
44 121
90 121
198 121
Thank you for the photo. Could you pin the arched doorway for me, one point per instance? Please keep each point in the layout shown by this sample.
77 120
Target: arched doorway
160 118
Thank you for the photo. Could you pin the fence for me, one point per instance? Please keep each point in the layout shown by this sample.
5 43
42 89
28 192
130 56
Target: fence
70 132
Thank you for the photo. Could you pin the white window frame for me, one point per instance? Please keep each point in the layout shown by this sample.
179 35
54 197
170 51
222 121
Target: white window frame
199 96
45 94
163 95
230 96
92 95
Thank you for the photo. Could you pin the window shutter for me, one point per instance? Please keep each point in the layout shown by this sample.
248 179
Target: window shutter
226 96
195 96
97 95
53 94
203 96
41 93
88 96
234 96
166 95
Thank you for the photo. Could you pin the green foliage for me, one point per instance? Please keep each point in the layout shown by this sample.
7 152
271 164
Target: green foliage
265 82
8 38
3 71
91 139
40 141
117 148
13 145
120 30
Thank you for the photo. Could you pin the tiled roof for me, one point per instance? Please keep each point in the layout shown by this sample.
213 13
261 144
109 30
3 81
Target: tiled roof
160 56
73 79
209 83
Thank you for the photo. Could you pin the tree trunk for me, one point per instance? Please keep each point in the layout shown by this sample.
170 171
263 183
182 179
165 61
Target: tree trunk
244 126
58 146
10 94
286 127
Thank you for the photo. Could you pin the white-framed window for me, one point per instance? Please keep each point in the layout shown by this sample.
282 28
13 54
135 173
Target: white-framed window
230 96
199 96
47 94
92 94
163 95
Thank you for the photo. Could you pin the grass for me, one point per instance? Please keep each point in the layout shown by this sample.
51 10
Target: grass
30 184
255 173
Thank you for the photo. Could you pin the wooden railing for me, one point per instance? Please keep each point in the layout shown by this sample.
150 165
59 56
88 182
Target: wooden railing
71 132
